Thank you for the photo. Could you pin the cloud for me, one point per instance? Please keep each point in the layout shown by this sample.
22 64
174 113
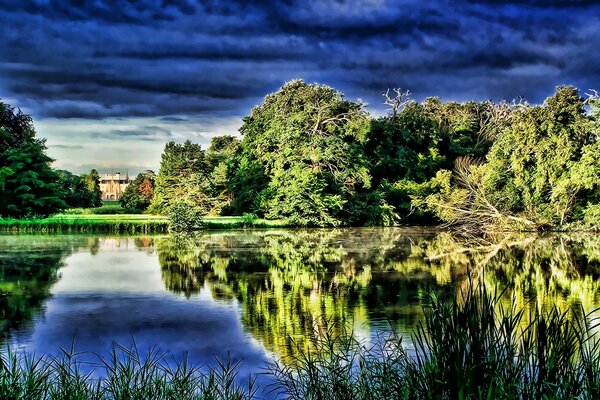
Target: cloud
67 146
147 133
77 59
183 62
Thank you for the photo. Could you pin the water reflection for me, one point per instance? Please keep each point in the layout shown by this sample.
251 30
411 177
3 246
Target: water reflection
116 294
256 293
289 281
28 268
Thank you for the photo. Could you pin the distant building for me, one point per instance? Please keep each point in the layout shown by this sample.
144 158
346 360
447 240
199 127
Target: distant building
113 186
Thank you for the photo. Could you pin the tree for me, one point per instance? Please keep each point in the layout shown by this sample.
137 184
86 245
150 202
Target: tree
179 167
221 157
543 169
407 147
29 185
92 184
302 149
139 193
77 193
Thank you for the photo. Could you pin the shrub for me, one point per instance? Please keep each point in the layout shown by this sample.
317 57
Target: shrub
184 217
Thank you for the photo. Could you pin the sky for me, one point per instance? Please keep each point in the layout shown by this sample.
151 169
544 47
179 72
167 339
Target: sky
109 82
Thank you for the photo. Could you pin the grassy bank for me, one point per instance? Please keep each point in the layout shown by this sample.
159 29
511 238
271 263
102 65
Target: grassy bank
241 222
467 348
126 223
120 223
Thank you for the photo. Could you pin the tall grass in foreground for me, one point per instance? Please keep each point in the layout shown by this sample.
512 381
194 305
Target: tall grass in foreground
468 347
126 374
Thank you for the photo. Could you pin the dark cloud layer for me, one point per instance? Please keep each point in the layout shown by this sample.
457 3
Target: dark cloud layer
176 58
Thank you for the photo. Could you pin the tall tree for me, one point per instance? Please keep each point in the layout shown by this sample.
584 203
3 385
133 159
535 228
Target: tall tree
77 191
306 139
92 184
29 185
180 166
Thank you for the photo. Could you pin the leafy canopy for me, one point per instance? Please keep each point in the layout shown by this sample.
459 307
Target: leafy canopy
28 185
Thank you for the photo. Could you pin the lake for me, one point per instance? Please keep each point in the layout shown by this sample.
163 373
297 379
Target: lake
259 295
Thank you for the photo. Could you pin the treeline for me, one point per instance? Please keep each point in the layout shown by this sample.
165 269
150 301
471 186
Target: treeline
310 157
313 158
28 185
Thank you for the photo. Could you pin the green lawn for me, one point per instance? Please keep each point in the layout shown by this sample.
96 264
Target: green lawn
121 223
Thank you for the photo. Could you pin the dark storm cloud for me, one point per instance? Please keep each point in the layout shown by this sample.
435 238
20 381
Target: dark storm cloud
172 59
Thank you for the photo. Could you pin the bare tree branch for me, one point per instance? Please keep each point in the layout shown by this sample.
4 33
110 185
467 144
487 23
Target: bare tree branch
396 101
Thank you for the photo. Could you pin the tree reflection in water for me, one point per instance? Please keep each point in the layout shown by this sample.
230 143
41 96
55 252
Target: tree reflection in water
288 282
28 268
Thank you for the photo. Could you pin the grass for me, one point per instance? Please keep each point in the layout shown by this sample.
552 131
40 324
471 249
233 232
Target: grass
120 223
65 223
126 374
241 222
467 348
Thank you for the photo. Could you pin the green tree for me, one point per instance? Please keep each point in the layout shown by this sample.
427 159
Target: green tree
182 168
302 148
77 193
415 140
138 195
92 184
200 179
29 185
543 169
221 157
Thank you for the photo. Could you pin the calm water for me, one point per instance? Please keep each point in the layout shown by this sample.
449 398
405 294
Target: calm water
258 295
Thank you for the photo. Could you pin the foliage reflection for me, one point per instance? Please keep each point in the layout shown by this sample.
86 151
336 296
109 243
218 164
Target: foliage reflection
289 281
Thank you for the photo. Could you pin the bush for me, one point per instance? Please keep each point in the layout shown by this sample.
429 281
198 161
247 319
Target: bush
184 217
248 220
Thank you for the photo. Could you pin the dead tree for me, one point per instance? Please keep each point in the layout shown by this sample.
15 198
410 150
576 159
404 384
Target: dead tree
396 101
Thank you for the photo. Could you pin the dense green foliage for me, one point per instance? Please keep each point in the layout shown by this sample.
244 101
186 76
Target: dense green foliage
543 171
92 184
307 142
139 193
310 157
28 186
192 176
80 191
408 147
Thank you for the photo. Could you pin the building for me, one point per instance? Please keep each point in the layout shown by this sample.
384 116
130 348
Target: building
113 186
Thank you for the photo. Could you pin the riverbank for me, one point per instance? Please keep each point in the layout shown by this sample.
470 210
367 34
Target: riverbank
121 223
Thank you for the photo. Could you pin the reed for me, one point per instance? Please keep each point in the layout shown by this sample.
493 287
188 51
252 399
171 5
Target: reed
124 374
468 347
